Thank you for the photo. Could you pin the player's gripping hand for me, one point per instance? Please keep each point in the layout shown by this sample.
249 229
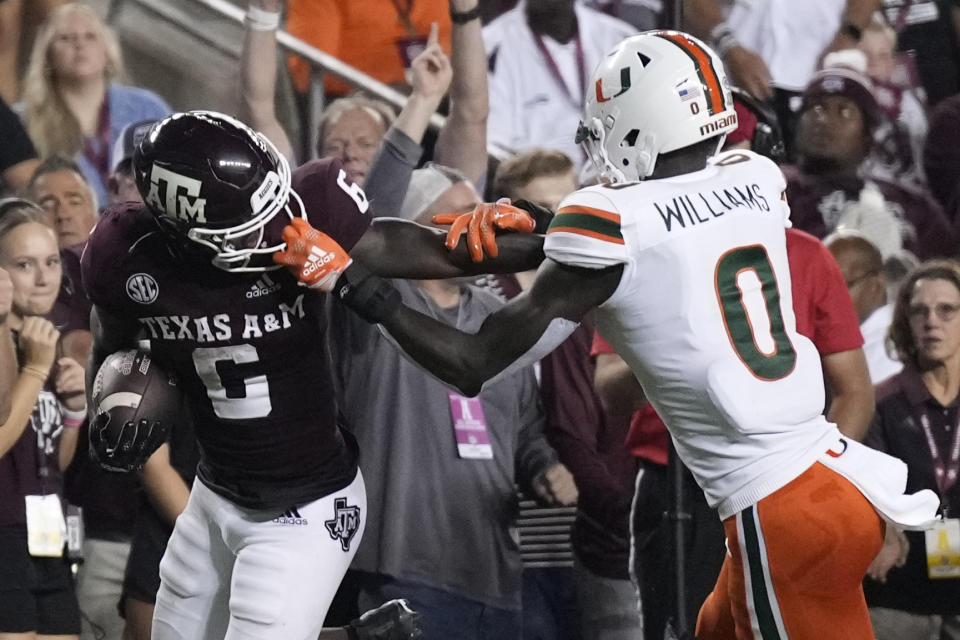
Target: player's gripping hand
393 620
312 256
125 446
482 224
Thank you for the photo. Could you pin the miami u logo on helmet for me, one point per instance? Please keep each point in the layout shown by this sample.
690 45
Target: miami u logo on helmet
624 85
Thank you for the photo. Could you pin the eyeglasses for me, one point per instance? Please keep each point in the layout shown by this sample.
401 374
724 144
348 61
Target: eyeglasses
944 312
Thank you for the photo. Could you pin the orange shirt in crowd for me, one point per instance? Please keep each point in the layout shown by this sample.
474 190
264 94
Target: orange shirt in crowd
366 34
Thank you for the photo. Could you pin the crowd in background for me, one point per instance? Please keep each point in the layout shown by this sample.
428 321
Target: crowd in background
858 101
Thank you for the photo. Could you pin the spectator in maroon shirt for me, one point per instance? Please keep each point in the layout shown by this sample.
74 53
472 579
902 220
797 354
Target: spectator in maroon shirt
834 135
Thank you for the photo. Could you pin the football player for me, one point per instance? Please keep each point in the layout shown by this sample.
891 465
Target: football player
279 505
682 253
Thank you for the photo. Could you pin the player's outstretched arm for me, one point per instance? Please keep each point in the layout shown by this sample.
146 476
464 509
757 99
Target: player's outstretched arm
530 326
523 331
398 249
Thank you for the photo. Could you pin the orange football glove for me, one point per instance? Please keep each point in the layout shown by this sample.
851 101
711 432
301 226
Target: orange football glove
312 256
482 224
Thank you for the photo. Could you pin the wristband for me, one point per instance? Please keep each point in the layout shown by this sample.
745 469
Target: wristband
260 20
722 39
369 296
36 373
542 217
72 418
465 16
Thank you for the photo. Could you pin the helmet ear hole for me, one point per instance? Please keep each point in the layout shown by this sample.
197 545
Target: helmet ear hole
630 140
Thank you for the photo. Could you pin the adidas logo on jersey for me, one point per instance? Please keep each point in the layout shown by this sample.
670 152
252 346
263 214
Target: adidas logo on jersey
318 258
291 516
263 286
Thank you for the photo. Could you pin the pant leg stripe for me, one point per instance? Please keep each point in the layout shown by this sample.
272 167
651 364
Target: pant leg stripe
764 609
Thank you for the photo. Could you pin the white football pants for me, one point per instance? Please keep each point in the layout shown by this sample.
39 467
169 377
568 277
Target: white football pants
241 574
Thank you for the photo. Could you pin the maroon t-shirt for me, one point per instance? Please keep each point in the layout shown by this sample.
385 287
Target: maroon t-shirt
31 467
817 202
249 348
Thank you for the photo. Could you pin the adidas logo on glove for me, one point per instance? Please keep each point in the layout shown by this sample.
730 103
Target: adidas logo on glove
318 258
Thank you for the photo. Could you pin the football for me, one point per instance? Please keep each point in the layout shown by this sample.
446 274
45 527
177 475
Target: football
135 403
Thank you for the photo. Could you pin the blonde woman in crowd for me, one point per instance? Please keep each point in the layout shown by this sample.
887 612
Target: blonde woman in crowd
37 440
73 101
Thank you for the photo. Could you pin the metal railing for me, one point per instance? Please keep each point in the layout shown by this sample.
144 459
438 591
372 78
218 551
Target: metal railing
320 62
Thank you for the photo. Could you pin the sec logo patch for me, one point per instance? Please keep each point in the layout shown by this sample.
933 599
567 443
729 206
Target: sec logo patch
142 288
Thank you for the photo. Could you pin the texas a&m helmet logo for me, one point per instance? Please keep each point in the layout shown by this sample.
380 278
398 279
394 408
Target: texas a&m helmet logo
180 195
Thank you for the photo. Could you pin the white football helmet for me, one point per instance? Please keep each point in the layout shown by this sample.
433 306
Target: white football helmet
658 91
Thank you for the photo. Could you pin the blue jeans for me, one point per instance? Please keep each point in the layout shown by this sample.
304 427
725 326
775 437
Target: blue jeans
550 605
444 615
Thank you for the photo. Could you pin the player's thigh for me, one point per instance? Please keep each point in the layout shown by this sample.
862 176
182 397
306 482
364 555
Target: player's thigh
288 568
194 573
803 552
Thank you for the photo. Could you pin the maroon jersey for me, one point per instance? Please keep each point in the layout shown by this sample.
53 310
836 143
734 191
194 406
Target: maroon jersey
817 202
72 308
248 347
32 467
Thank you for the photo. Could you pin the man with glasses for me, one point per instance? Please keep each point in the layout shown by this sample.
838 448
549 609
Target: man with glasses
862 267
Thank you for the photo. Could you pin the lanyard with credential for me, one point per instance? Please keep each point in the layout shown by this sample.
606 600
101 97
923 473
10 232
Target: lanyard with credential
902 16
576 100
404 8
946 475
99 152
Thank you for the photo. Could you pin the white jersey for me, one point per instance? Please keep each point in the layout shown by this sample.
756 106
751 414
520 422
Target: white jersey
704 317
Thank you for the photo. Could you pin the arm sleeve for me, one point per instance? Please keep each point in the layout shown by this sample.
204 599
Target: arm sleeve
390 171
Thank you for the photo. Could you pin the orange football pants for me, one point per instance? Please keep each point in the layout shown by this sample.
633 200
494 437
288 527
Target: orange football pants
795 565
